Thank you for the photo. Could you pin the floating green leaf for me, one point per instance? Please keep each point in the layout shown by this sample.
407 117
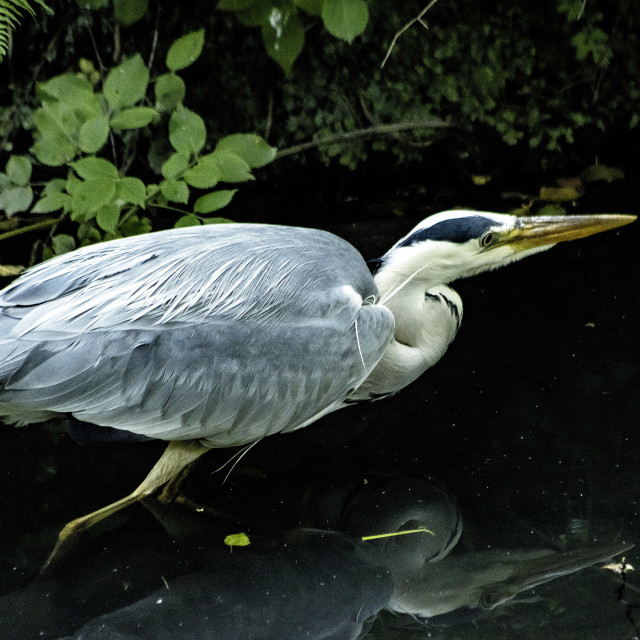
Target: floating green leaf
19 170
127 83
237 540
345 19
133 118
187 132
250 147
170 91
185 50
213 201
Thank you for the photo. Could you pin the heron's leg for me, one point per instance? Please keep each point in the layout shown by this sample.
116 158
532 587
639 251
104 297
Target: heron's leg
178 455
172 488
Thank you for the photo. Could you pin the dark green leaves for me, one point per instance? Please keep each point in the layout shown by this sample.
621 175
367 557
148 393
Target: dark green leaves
185 50
127 83
187 132
283 37
345 19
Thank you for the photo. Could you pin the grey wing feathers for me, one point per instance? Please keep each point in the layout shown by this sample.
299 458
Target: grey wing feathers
226 334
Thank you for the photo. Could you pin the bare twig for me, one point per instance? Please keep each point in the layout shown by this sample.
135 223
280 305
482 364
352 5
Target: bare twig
381 129
409 24
154 42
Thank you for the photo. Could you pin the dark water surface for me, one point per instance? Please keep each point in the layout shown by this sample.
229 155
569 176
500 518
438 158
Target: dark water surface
531 419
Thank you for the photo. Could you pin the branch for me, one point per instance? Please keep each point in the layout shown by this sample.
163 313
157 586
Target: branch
381 129
43 224
409 24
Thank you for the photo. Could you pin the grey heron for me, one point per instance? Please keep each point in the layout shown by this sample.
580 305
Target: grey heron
221 335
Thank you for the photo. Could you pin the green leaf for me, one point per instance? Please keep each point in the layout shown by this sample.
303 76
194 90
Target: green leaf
345 19
187 221
232 167
108 217
129 11
175 166
91 195
92 168
75 91
93 134
15 199
205 174
127 83
312 7
250 147
62 243
133 118
131 190
175 191
53 150
19 170
56 119
237 540
185 50
53 202
187 132
170 91
283 37
133 226
213 201
56 185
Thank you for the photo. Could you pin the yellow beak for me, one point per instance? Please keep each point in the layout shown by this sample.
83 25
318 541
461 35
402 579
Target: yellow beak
531 232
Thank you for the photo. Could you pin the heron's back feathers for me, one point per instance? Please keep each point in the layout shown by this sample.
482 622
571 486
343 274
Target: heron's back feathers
225 333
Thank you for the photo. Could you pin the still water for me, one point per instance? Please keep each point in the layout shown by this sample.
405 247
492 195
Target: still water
530 420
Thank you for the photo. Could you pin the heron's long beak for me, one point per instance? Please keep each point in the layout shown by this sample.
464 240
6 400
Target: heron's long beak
541 231
530 573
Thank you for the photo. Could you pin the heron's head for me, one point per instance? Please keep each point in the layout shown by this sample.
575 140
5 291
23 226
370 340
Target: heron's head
457 244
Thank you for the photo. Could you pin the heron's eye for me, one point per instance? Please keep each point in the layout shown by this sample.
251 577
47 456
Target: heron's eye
487 239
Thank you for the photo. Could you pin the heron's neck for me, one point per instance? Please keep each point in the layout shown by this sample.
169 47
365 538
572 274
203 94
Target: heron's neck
426 321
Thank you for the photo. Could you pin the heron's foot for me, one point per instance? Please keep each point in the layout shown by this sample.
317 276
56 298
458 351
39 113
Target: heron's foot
176 461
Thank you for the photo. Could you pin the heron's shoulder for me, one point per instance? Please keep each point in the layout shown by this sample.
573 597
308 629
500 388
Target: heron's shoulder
237 250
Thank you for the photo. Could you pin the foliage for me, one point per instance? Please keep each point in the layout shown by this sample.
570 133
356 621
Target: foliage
534 78
282 26
78 127
10 12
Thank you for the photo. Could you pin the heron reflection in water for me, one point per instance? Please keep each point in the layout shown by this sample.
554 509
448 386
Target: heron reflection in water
310 584
218 336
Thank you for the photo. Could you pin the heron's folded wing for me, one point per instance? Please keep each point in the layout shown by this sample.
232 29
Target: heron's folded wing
227 336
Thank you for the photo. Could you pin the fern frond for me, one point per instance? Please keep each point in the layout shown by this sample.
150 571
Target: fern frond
10 13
